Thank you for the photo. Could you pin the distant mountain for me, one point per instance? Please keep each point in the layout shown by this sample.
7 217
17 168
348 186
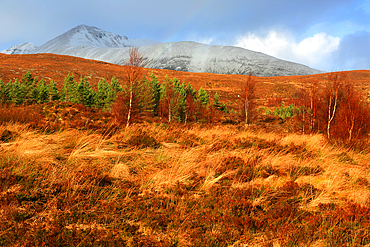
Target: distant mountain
86 36
196 57
94 43
20 49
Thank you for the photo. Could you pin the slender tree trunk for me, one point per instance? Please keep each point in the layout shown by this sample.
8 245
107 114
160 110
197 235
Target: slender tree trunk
331 113
329 119
351 129
169 112
186 117
313 104
130 106
134 75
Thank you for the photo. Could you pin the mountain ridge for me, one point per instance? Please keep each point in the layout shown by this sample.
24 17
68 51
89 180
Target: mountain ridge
90 36
24 48
188 56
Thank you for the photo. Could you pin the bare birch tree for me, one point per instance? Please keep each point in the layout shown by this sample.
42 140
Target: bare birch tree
134 74
248 96
313 91
332 93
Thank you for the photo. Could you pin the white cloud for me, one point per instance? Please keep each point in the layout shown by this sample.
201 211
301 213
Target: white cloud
315 51
272 44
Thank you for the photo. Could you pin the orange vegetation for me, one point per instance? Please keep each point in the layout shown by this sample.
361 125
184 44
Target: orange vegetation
156 184
56 67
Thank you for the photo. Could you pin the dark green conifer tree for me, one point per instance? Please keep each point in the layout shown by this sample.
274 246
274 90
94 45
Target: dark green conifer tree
115 88
216 102
53 91
69 90
146 97
17 93
29 84
41 92
2 92
32 92
181 100
85 93
203 96
156 89
101 95
7 89
27 79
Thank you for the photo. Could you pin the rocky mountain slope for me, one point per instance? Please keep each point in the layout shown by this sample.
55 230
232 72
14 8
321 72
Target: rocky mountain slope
93 43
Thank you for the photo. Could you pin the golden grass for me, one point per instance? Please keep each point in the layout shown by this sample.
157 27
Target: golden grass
165 167
201 160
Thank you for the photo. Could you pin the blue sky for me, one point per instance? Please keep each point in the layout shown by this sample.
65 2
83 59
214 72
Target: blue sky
331 35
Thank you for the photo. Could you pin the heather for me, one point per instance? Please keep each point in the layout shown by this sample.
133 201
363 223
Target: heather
157 162
180 185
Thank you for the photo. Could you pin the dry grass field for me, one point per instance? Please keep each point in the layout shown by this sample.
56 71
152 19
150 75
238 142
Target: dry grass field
155 184
158 185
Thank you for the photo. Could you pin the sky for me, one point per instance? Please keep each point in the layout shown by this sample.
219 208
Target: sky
330 35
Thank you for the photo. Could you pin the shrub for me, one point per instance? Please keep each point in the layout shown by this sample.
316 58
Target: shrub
21 114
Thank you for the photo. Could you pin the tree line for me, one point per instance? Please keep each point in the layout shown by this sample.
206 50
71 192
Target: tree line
33 91
335 108
171 99
145 96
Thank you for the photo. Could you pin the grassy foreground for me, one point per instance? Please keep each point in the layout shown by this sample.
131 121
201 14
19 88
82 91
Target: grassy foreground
159 185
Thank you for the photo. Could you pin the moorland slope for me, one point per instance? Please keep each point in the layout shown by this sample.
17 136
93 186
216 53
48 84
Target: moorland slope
159 184
57 67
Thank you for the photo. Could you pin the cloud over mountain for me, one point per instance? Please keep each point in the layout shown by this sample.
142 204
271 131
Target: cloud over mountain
314 51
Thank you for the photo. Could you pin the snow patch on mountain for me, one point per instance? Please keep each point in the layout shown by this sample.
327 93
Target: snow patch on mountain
91 36
20 49
196 57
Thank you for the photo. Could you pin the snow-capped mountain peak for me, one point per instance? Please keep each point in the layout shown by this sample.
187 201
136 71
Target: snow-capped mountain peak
88 36
20 49
83 35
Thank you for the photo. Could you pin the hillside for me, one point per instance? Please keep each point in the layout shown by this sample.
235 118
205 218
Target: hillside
57 67
71 176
